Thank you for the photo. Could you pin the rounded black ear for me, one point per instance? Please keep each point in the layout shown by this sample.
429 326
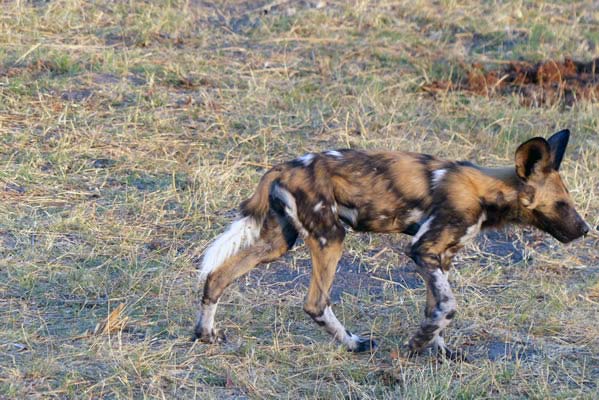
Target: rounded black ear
533 157
558 143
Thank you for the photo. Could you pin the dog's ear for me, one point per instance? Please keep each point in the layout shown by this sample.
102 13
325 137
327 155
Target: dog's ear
558 143
533 157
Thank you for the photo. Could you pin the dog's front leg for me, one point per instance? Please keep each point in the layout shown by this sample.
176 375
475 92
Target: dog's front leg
432 249
440 310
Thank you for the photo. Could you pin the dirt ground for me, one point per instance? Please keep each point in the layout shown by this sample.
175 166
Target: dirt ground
543 83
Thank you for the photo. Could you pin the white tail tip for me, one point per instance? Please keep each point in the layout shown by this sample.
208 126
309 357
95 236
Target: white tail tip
241 234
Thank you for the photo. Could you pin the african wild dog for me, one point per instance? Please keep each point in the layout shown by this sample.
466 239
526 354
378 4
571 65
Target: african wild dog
442 204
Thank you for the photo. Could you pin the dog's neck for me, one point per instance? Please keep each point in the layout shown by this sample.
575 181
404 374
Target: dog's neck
501 203
507 175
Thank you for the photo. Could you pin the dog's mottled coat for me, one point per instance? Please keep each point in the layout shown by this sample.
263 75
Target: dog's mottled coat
442 204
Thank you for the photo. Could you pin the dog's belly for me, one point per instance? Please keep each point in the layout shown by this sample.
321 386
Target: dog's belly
366 219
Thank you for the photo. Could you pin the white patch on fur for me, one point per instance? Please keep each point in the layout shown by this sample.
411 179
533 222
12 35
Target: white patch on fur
334 208
383 216
290 208
423 229
415 215
206 317
322 240
333 153
445 305
438 176
443 288
444 291
438 343
306 159
352 341
350 214
473 230
241 234
318 206
336 328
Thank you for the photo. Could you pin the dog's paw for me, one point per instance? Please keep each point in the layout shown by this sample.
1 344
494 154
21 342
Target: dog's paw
410 350
364 344
456 355
442 352
208 336
414 348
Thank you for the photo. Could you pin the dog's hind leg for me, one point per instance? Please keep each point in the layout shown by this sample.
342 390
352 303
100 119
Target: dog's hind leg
276 237
324 263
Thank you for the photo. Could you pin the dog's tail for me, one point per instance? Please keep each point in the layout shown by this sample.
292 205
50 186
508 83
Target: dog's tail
243 232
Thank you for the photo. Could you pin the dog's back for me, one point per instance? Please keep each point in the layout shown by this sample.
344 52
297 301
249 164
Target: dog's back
368 191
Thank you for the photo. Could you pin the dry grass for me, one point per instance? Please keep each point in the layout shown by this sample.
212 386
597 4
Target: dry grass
130 130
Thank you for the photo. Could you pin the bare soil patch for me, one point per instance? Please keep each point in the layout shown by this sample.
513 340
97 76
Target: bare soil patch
543 83
351 278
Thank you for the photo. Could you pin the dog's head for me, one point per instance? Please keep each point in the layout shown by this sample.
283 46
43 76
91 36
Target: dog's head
543 196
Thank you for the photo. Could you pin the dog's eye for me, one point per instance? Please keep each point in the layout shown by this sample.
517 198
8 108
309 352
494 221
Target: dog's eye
561 205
